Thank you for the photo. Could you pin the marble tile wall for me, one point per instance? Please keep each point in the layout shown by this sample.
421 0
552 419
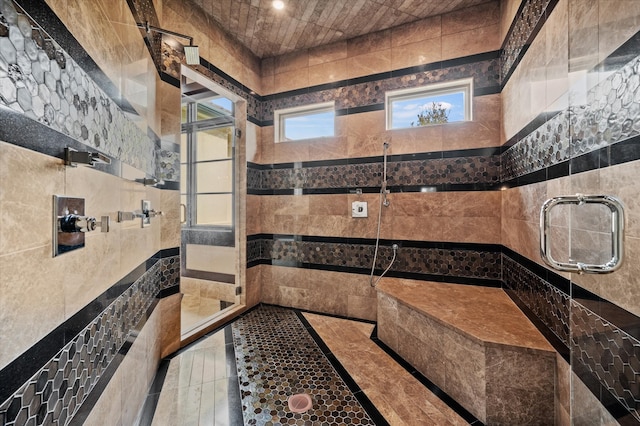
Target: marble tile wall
57 391
568 124
438 38
42 81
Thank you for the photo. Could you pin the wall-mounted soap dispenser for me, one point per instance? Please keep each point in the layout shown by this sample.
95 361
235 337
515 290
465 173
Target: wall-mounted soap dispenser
70 224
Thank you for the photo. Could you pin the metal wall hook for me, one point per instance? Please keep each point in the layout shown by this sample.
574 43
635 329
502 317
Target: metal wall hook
617 233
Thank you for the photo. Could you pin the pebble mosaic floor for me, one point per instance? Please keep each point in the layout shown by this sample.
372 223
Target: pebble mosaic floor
286 363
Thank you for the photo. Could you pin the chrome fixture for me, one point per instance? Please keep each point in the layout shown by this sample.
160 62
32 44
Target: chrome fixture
191 52
76 223
125 216
73 157
70 224
150 181
617 233
383 190
383 202
146 213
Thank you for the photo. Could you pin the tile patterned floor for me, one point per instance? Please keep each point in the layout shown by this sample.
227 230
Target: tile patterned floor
285 363
350 378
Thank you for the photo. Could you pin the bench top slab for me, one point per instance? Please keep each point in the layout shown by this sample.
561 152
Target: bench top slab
485 314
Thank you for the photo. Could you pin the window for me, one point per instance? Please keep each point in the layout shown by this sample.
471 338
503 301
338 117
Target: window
306 122
426 105
207 154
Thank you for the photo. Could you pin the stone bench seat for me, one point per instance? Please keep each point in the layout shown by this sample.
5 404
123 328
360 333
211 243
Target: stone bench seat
475 344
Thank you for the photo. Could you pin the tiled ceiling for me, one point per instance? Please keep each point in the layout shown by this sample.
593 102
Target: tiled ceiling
308 23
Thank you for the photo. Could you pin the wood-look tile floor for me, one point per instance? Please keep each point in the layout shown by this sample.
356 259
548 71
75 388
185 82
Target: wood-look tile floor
200 384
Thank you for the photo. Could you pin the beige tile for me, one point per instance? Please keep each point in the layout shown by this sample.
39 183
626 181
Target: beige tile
470 42
29 181
328 53
419 53
170 324
170 222
291 62
583 19
472 230
366 133
369 63
331 148
418 31
471 135
618 20
284 152
328 72
416 139
32 302
486 14
108 408
370 43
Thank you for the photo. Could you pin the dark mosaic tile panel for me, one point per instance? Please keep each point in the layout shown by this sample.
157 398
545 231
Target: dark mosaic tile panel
41 81
254 250
467 263
531 13
169 272
485 73
276 358
608 354
547 302
55 393
547 145
611 114
439 171
254 177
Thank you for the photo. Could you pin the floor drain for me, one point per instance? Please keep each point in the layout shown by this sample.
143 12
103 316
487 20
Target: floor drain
299 403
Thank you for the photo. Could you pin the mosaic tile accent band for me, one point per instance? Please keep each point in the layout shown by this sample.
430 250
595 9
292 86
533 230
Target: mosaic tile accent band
525 27
611 113
469 170
56 391
547 302
358 93
348 94
440 260
602 350
287 362
41 81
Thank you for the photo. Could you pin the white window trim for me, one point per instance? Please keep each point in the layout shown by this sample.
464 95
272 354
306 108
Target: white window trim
280 114
463 85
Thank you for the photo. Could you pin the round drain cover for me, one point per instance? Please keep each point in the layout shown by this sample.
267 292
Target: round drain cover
299 403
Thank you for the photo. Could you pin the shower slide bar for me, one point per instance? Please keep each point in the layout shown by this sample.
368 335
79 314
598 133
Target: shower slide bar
617 233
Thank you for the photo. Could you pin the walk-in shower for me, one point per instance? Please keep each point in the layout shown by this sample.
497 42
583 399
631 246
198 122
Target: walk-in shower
384 202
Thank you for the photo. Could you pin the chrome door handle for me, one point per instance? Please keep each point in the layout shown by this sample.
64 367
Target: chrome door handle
617 233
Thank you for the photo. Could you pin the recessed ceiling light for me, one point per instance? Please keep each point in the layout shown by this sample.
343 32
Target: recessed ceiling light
278 4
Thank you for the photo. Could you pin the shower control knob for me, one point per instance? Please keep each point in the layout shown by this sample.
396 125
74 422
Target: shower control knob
76 223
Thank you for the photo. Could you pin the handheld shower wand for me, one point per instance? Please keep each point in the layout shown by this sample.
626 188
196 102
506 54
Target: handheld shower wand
383 202
383 190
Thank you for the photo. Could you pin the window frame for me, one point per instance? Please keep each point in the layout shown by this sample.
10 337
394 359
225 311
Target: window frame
462 85
280 115
191 129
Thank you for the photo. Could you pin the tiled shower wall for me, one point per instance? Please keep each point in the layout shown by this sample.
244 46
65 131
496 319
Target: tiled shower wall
324 174
108 309
570 121
551 147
